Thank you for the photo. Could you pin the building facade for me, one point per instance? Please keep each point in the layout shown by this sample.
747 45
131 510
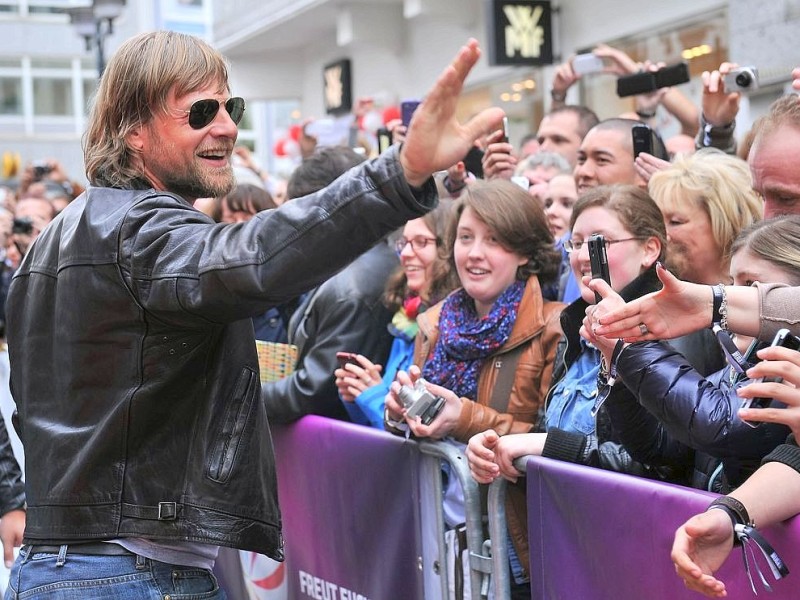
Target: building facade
396 48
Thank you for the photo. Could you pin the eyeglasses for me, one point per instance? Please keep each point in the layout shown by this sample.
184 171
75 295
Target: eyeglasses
203 112
417 243
572 246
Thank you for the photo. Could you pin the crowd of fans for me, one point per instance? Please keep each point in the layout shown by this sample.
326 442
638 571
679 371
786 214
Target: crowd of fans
500 276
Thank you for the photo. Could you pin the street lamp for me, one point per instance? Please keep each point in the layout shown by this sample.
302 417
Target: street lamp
95 23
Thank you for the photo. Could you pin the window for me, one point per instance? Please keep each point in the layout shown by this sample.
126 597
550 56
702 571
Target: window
10 95
52 96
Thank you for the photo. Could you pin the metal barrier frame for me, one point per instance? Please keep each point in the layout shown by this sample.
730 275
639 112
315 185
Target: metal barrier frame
480 564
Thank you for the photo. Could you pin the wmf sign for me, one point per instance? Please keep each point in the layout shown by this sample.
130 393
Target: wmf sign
520 32
338 87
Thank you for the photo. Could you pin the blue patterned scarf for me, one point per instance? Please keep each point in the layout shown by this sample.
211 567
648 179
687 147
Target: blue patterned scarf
465 339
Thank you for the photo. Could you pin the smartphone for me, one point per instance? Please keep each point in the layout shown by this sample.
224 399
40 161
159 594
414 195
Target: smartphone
586 64
642 139
407 108
782 338
505 130
743 79
599 260
473 162
384 139
346 357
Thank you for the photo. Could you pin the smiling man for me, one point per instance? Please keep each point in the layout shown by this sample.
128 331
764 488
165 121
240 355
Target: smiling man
133 362
605 156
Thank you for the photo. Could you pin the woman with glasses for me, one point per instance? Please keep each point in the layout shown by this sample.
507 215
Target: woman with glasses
577 426
488 348
673 402
422 279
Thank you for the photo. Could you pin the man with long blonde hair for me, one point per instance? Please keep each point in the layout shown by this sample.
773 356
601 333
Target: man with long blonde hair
134 368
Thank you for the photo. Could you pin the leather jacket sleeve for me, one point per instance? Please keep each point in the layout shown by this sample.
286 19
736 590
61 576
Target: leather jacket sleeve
12 489
180 269
697 411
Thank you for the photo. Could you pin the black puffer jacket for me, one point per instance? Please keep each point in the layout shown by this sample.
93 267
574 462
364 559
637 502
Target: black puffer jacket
133 362
676 403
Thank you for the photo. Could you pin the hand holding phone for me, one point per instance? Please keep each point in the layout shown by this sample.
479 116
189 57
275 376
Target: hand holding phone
585 64
346 357
599 261
782 338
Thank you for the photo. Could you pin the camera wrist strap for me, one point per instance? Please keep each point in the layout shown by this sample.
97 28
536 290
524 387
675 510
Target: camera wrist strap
749 536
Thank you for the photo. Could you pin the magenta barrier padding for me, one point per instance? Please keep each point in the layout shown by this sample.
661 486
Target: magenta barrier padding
600 535
349 496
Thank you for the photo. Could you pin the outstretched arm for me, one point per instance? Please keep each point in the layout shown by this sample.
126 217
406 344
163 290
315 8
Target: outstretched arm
703 543
676 309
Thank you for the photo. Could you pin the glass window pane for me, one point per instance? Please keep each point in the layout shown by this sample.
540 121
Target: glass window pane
52 97
50 63
10 96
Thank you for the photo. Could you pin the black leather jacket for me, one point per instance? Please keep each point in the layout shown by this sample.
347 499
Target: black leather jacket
12 489
344 313
133 364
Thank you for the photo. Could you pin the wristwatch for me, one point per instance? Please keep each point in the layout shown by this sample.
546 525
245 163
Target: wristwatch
558 96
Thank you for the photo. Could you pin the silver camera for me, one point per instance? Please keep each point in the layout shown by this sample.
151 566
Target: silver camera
743 79
419 402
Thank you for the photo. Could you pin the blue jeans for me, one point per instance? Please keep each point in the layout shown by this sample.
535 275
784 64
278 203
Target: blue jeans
91 577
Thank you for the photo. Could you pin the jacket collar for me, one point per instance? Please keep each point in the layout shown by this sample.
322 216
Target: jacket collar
529 321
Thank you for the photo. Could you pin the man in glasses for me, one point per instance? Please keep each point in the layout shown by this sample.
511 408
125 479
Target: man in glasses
134 367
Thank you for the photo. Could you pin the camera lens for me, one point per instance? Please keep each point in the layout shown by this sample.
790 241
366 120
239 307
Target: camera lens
744 79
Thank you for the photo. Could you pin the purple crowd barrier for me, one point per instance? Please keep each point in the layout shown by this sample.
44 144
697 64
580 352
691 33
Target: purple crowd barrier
600 535
349 496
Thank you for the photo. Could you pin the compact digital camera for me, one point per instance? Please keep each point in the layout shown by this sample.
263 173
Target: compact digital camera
419 402
743 79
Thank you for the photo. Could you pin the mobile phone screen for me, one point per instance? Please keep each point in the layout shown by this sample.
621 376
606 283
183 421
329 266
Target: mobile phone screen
407 109
642 137
346 357
599 260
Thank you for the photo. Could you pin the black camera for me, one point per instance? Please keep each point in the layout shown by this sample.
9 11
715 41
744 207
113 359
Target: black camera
22 225
743 79
649 81
40 169
419 402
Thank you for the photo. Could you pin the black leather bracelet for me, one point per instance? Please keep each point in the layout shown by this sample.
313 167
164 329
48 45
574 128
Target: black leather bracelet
736 511
735 507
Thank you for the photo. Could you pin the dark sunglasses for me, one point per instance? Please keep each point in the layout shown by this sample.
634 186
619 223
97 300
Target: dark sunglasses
203 112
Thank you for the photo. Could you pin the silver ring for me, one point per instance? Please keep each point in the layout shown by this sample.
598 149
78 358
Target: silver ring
643 329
